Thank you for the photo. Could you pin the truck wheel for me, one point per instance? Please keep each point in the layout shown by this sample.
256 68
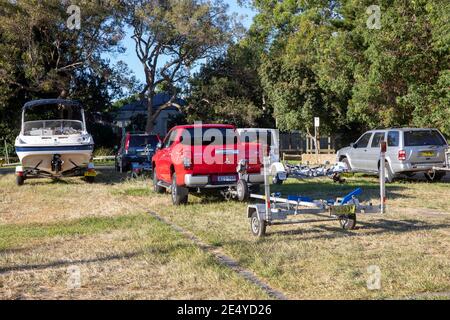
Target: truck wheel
157 188
434 176
242 190
348 222
179 194
257 226
20 180
116 165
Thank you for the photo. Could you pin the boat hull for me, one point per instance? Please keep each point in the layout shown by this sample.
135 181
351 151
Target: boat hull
40 157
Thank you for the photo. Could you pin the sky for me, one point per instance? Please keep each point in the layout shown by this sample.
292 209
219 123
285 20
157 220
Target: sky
129 57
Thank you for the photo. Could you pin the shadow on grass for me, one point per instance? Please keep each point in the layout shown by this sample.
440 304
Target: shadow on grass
112 257
106 175
379 227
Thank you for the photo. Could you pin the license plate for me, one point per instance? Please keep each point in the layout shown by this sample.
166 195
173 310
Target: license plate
90 174
282 176
427 154
343 210
226 178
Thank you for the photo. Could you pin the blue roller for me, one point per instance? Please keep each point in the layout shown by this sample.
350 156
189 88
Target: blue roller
350 196
300 199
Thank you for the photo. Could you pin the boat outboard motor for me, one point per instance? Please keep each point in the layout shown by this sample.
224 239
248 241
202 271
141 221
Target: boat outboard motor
56 163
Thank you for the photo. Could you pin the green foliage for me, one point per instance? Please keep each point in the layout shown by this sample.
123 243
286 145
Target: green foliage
228 90
184 32
41 58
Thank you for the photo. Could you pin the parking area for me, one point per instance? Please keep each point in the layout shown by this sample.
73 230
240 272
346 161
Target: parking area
69 239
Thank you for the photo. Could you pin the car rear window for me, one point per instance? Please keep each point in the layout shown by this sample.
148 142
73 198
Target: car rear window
142 141
208 136
423 138
393 138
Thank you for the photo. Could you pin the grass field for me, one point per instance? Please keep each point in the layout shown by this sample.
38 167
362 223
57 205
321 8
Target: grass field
48 229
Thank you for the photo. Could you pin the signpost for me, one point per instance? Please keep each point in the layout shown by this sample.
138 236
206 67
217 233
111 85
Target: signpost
316 134
383 147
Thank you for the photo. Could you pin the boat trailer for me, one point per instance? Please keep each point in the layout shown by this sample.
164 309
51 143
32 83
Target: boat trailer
276 210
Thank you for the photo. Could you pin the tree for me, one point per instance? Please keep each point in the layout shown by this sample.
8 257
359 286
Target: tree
321 58
232 89
40 57
396 75
171 36
291 33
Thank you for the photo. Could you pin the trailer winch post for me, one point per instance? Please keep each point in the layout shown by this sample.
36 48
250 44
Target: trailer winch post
266 166
383 147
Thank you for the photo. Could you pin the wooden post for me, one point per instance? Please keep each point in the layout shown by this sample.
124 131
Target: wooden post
6 153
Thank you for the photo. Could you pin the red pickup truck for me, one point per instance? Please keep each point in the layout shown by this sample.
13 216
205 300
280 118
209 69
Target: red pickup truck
206 156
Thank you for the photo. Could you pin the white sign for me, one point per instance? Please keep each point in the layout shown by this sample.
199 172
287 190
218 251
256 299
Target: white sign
316 122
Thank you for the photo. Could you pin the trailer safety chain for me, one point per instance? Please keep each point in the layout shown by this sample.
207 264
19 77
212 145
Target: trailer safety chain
223 259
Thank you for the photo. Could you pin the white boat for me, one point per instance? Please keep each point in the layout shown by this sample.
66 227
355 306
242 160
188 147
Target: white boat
53 141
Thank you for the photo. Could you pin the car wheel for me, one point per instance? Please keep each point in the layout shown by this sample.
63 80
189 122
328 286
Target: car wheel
388 174
434 176
157 188
90 179
257 226
347 164
242 190
179 194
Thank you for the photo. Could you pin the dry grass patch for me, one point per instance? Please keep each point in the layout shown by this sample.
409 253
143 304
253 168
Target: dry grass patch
122 253
132 257
316 261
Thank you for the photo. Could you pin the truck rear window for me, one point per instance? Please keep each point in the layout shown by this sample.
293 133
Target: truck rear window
423 138
142 141
208 136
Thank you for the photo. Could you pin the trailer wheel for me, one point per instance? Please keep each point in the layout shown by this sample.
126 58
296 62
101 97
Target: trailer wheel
179 194
257 226
242 190
20 180
348 222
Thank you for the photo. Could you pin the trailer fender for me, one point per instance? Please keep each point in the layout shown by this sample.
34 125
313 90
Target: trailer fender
259 209
277 167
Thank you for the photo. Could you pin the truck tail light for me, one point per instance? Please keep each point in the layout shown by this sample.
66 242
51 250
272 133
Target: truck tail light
187 162
127 143
402 155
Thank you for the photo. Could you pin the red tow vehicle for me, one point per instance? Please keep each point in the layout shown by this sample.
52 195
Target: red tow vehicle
203 157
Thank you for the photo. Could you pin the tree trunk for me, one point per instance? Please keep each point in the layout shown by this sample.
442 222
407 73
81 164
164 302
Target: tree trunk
149 104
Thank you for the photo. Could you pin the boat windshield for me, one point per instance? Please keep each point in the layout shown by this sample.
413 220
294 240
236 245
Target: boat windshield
52 128
53 119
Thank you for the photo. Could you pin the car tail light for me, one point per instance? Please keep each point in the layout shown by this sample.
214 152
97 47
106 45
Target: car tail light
127 143
402 155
